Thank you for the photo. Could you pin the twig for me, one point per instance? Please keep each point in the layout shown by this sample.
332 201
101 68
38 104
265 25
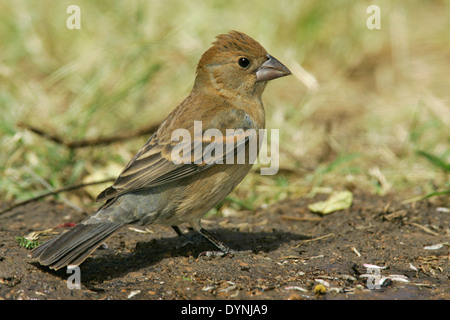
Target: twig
91 142
51 193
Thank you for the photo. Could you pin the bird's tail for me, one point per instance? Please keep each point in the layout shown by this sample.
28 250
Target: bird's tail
73 246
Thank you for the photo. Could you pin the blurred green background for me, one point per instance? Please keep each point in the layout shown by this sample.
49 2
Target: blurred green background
365 110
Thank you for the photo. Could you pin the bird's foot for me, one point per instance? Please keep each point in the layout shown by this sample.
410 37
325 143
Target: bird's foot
229 252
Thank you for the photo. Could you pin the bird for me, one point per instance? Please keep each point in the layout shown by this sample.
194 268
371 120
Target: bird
156 186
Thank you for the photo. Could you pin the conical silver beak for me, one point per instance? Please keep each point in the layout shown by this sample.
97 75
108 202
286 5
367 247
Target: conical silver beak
271 69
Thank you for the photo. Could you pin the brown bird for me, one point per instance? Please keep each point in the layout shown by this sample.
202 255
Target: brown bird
159 186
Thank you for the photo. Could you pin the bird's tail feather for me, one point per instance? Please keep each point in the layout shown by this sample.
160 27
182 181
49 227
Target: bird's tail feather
74 246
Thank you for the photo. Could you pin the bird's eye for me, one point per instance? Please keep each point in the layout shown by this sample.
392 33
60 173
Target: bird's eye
243 62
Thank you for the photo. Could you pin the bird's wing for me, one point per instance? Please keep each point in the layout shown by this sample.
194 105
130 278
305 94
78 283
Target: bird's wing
160 162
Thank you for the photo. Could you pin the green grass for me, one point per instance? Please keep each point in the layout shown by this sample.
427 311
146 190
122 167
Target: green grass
371 100
27 244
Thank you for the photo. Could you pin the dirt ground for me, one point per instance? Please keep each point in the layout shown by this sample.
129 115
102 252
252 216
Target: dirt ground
287 252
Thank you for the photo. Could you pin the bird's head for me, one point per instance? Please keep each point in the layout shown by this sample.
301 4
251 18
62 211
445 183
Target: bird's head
237 65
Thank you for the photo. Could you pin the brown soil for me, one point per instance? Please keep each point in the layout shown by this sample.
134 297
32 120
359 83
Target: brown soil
286 253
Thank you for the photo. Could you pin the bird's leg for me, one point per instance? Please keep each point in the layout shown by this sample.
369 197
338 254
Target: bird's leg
186 240
178 231
224 250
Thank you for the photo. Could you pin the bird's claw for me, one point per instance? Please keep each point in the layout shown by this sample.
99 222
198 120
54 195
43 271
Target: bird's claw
186 242
229 252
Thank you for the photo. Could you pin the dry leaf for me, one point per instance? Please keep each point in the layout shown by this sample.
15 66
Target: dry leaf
337 201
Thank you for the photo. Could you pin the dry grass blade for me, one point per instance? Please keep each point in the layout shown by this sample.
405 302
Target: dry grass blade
427 230
315 239
293 218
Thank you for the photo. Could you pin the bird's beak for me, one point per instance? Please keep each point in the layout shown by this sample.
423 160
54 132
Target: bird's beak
271 69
